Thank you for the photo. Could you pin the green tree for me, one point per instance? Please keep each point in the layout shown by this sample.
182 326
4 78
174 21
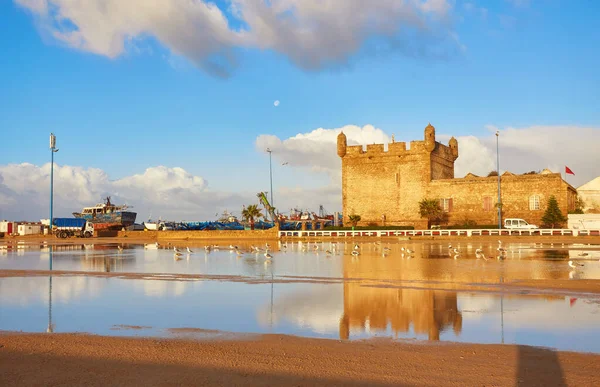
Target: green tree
250 213
553 216
354 219
579 206
431 209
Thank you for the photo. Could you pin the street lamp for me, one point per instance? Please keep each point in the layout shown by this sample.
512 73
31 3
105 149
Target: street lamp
271 174
499 204
53 150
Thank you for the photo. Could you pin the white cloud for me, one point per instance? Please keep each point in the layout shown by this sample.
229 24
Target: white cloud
311 33
317 149
538 147
171 193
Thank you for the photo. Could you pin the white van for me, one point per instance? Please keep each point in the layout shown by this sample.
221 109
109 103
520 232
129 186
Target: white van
518 224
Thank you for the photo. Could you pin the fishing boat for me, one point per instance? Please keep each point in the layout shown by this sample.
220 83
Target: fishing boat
107 215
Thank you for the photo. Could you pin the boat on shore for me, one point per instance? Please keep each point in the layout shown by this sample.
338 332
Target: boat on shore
107 215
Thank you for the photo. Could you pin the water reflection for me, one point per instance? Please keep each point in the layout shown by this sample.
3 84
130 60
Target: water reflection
374 310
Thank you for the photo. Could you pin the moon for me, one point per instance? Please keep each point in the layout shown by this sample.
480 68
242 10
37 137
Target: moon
276 103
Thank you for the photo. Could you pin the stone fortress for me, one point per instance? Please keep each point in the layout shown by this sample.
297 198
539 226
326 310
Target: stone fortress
385 186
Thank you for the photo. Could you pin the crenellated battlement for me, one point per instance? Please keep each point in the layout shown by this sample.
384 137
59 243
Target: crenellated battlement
428 146
397 149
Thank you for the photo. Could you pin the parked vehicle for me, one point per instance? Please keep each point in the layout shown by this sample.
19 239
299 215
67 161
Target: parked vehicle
518 224
72 227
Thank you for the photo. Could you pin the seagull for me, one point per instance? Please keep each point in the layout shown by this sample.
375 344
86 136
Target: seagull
157 245
120 248
207 249
188 250
386 249
356 247
479 254
355 253
316 247
575 265
268 256
410 251
456 251
215 247
328 252
232 247
239 253
176 250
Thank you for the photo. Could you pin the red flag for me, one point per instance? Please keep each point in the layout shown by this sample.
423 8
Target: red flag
568 171
572 301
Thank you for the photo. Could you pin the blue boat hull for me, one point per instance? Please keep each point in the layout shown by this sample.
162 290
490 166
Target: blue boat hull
118 218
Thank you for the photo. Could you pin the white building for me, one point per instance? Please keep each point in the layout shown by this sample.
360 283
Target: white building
590 194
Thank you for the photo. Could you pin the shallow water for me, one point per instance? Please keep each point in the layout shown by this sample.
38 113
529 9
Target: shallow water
429 261
367 303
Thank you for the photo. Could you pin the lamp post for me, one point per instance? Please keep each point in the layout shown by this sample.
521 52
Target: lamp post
53 150
499 204
271 174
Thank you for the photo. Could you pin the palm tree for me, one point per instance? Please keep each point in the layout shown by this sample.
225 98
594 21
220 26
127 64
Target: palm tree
431 209
250 213
354 219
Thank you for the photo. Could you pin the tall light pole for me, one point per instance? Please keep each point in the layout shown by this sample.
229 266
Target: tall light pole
271 174
498 171
53 150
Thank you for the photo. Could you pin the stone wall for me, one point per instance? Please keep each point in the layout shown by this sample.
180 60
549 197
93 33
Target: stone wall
468 196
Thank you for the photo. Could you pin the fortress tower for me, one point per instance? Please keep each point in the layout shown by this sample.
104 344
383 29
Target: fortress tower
391 182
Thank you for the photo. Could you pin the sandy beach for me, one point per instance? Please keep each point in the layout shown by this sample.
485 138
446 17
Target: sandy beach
275 360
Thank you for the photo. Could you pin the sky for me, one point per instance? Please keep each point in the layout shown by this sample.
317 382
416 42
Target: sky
169 105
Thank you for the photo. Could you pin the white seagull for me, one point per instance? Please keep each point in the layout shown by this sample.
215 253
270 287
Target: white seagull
268 256
479 254
575 265
355 253
188 250
176 250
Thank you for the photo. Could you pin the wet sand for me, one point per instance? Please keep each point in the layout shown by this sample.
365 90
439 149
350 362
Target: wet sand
275 360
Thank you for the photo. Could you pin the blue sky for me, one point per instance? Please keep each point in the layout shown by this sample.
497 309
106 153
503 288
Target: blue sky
502 63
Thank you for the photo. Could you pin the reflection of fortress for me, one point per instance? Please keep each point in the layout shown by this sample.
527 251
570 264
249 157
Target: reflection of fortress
429 311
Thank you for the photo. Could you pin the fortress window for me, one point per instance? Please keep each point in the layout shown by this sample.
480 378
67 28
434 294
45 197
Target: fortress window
487 203
446 205
534 202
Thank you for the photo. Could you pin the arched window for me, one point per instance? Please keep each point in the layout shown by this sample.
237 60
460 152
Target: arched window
534 202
